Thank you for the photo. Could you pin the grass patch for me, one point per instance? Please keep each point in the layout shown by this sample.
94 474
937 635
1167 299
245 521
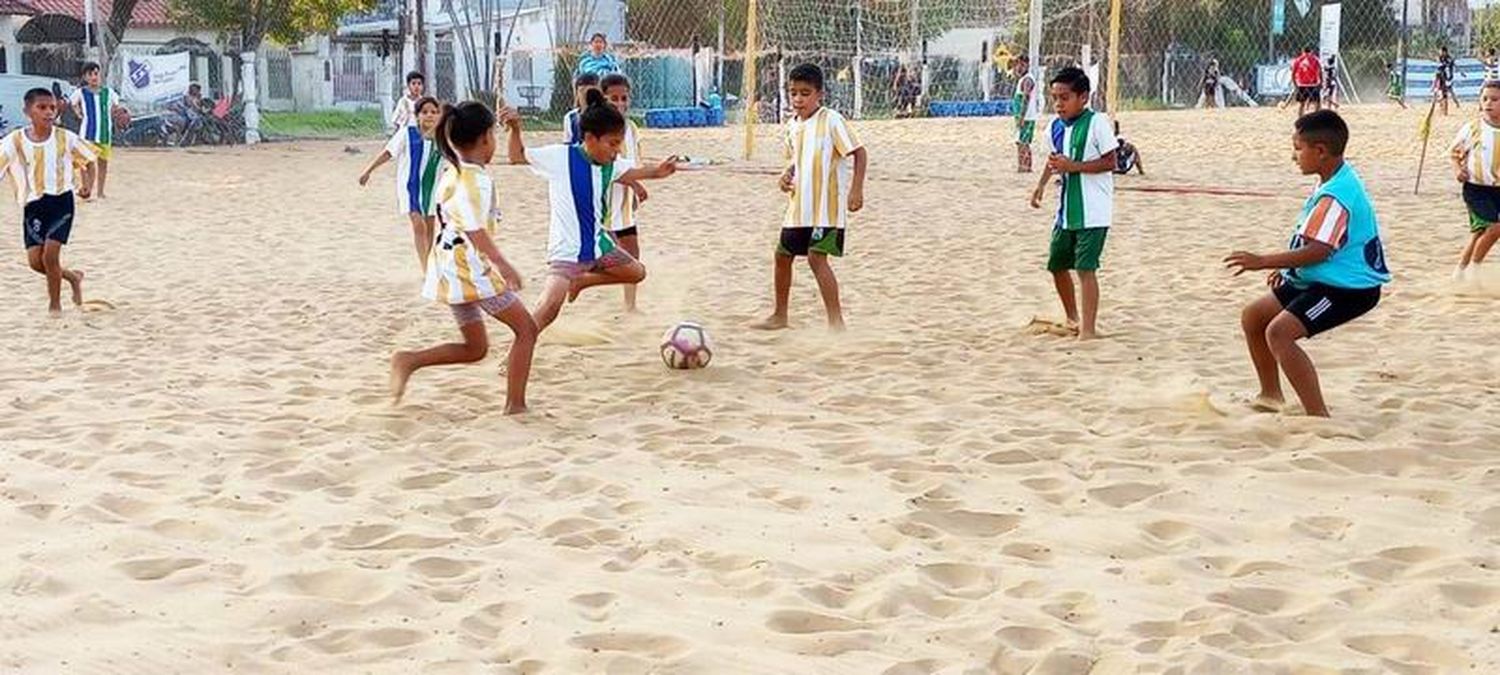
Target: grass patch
323 124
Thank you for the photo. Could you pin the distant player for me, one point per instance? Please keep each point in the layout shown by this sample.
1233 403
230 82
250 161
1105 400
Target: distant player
1474 164
1331 274
581 250
1331 82
418 161
1127 156
625 200
45 162
467 271
823 188
1442 85
1491 65
405 113
1393 89
96 106
1307 77
1084 155
1024 112
572 132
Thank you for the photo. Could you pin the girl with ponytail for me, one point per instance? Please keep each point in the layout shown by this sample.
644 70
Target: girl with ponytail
466 270
582 252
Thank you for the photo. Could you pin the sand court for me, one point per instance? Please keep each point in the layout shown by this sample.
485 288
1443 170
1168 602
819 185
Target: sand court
202 472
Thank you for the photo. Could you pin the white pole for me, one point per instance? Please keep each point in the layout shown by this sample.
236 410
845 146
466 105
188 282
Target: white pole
252 99
859 56
1035 52
90 40
719 57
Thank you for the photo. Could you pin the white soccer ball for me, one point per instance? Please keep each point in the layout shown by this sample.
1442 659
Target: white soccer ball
685 346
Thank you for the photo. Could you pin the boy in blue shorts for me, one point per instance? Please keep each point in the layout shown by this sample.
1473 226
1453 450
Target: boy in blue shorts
1331 275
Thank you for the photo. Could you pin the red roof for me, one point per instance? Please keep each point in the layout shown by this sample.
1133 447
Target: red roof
149 13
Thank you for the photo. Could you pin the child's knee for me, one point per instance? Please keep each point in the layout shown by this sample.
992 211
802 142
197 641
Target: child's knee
1283 331
476 351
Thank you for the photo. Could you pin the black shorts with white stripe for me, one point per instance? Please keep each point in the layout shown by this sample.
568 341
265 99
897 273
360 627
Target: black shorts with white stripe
1322 308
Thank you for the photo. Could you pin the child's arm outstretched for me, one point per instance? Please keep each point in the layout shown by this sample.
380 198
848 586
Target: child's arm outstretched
515 148
857 187
1310 253
380 160
666 168
486 245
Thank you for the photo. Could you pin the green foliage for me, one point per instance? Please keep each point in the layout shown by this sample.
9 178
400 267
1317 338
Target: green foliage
286 21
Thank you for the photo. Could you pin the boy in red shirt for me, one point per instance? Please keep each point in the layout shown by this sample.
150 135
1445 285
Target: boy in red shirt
1307 77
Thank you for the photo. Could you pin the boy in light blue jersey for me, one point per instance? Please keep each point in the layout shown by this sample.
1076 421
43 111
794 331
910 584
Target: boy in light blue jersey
1331 275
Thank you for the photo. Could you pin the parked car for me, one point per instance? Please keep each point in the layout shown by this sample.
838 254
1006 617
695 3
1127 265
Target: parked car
13 90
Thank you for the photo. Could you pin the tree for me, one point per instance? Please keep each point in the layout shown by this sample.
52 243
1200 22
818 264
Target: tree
254 20
120 14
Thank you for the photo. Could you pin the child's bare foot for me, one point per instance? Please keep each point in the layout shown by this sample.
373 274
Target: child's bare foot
1266 403
1087 336
772 322
77 283
401 370
836 325
54 311
516 409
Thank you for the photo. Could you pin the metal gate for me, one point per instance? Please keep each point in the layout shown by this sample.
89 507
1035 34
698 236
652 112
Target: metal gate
356 72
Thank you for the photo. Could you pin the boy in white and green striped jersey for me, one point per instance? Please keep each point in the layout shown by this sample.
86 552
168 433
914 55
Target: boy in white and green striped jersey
1083 155
95 105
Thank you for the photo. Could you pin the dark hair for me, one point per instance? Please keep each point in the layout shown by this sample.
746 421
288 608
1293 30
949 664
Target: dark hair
1074 78
807 73
599 117
1324 128
586 80
1307 50
1490 84
415 76
424 102
88 67
462 126
37 93
194 86
598 36
614 80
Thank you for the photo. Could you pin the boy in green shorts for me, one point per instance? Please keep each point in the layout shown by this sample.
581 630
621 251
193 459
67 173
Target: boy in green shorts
1024 113
1083 154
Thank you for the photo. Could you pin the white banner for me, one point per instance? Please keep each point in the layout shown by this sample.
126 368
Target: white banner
1328 34
156 79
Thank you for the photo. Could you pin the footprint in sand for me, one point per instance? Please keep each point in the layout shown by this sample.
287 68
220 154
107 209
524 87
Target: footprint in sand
961 579
1027 638
1409 650
442 569
1262 601
1121 495
1473 596
1030 552
154 569
798 622
91 306
344 585
1075 607
650 645
968 523
1167 531
487 623
344 641
922 667
594 607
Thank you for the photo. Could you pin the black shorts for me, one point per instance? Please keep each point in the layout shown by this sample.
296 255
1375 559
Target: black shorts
1311 94
48 219
1322 308
800 241
1483 202
627 232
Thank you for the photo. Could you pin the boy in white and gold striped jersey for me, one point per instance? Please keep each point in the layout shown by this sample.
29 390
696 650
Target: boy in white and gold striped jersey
823 190
45 162
1477 166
